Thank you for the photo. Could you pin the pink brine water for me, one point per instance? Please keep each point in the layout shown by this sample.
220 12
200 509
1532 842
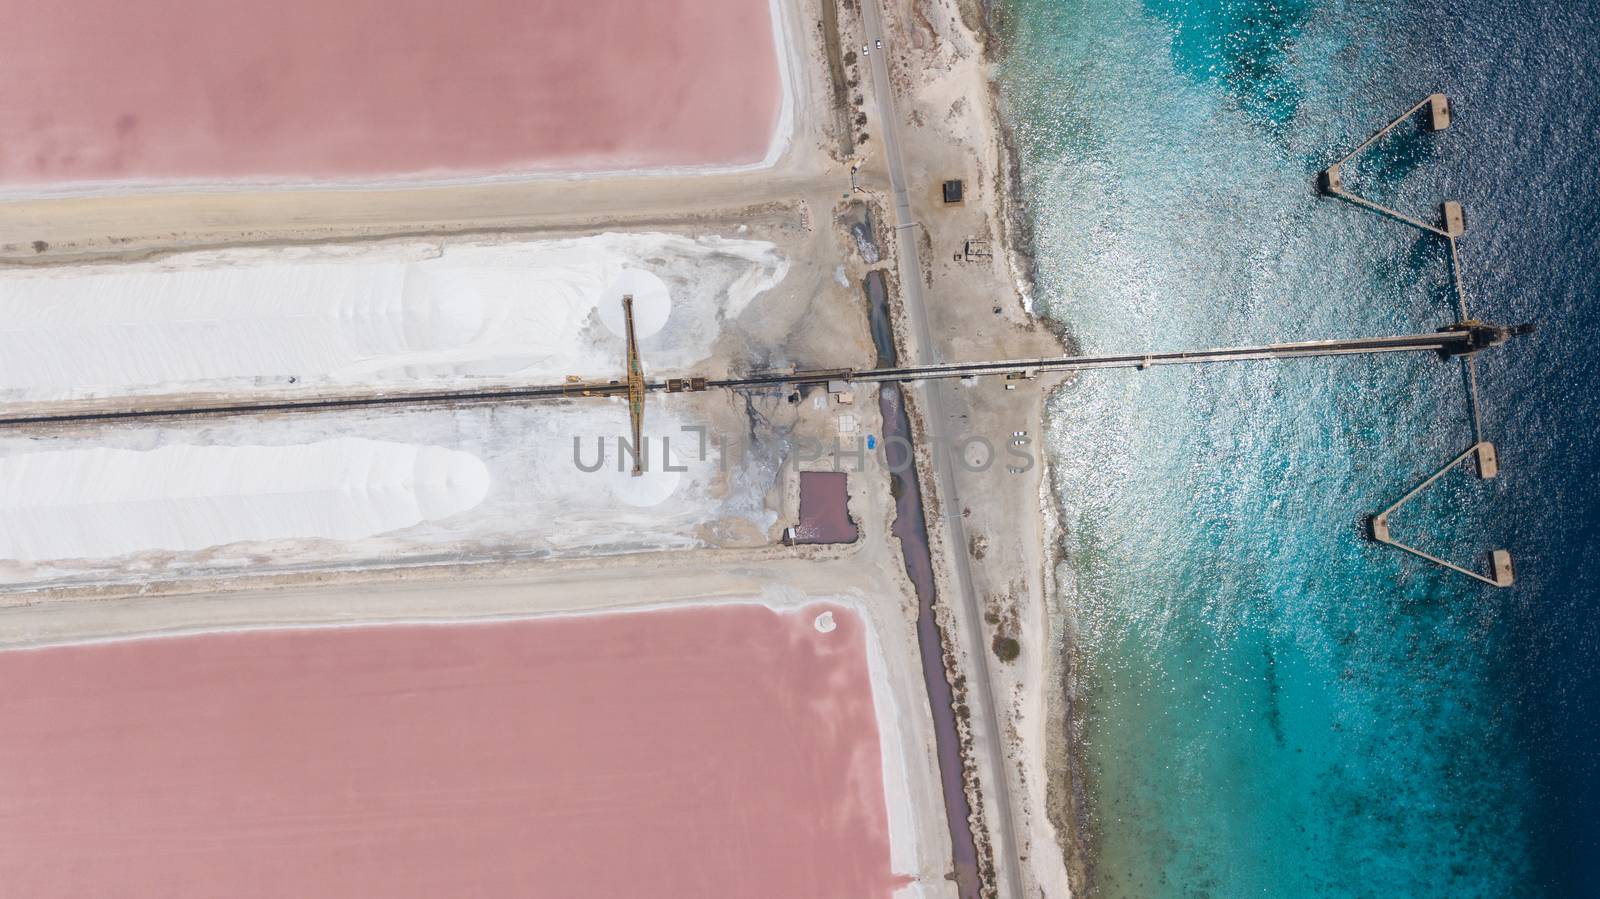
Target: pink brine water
198 90
712 751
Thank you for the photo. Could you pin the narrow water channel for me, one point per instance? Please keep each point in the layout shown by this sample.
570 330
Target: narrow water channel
910 526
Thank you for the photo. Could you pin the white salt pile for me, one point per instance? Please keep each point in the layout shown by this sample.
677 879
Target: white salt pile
264 319
102 502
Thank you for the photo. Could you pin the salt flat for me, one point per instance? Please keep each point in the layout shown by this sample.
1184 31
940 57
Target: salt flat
120 502
97 502
370 315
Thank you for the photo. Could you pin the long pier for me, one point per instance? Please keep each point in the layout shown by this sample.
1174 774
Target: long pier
1462 339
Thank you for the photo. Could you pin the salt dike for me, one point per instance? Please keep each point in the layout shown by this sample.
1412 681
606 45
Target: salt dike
373 315
103 503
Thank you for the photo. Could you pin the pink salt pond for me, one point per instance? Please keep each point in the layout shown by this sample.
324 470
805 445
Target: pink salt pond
824 509
178 90
726 751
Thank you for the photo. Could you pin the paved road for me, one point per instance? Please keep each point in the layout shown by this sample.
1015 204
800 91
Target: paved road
980 694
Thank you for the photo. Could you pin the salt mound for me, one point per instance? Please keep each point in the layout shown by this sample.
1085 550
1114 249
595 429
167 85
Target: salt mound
101 502
263 319
441 312
652 303
652 488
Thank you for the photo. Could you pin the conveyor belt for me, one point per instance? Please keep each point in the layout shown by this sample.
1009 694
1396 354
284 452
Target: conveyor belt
1464 338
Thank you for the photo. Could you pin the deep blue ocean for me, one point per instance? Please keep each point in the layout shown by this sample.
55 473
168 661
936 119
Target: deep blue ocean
1266 703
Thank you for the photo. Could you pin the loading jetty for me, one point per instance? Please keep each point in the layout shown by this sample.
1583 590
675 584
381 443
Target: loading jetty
1461 339
1451 226
1464 339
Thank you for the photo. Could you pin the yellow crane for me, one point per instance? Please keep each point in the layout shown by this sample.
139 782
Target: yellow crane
633 387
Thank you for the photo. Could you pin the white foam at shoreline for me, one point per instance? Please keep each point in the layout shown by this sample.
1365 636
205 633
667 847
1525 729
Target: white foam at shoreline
265 319
102 502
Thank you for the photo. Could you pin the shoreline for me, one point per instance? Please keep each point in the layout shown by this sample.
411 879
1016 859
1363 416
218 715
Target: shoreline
1069 800
1016 226
1065 801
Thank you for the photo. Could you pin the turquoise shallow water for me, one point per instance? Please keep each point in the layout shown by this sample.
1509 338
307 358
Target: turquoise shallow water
1268 704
